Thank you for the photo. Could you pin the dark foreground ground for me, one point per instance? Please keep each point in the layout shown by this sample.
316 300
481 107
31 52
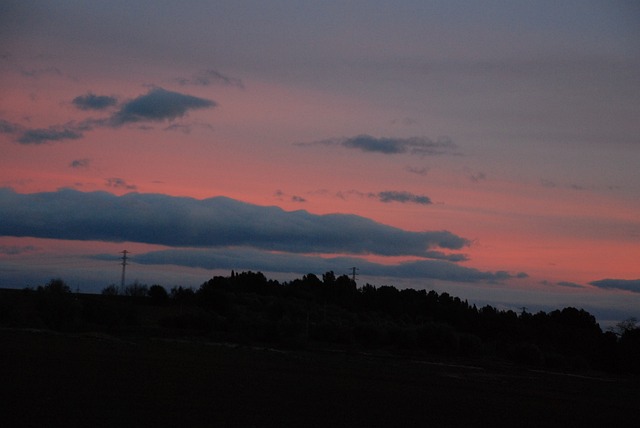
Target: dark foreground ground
53 379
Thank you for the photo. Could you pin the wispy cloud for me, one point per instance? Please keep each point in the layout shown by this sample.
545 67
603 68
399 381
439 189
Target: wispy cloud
187 128
214 222
119 183
417 170
80 163
569 284
279 194
572 186
91 101
69 131
8 127
451 257
38 72
158 105
476 177
388 196
618 284
209 77
420 146
12 250
248 258
403 197
179 127
50 134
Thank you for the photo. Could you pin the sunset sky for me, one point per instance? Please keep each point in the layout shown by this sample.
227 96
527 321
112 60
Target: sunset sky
489 149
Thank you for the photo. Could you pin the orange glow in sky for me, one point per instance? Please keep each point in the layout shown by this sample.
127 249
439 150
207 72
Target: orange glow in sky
521 144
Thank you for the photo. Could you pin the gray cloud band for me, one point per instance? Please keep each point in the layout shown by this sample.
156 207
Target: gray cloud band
248 258
632 285
420 146
214 222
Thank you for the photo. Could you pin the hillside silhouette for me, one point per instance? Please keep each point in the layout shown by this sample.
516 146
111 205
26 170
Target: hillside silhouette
332 313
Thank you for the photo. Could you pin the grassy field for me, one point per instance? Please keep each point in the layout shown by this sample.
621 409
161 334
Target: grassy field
54 379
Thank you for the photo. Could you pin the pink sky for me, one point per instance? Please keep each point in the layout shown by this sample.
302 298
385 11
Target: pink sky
520 129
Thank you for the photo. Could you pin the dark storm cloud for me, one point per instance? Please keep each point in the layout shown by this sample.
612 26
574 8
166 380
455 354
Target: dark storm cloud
210 77
420 146
92 101
79 163
47 135
214 222
158 105
247 258
618 284
403 197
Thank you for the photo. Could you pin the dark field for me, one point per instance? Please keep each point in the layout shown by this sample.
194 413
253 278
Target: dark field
54 379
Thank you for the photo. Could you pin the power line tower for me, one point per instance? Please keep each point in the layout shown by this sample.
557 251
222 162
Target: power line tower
354 273
124 265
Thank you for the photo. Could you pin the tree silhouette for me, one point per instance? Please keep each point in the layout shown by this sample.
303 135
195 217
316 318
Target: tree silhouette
246 307
56 286
158 295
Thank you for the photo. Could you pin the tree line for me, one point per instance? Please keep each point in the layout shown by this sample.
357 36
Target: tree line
332 311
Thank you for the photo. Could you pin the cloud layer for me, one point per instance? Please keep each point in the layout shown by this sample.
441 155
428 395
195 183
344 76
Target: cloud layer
420 146
246 258
92 101
157 105
214 222
403 197
618 284
44 135
388 196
